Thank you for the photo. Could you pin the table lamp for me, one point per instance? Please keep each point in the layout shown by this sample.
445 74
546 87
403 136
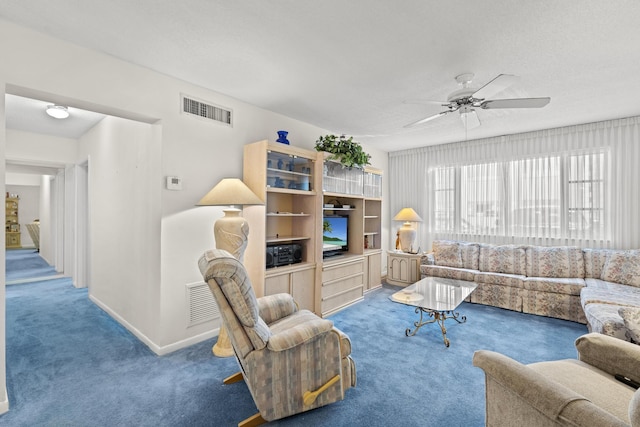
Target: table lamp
230 232
407 233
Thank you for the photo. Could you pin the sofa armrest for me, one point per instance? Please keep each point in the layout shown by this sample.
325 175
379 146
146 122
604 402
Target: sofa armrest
552 400
275 307
610 354
299 334
540 392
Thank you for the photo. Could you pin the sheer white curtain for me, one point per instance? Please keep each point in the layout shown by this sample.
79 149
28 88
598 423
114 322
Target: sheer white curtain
577 185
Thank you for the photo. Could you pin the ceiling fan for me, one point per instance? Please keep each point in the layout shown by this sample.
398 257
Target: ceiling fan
466 100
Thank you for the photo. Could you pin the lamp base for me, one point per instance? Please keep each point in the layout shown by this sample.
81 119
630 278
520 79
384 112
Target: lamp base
231 233
407 235
222 348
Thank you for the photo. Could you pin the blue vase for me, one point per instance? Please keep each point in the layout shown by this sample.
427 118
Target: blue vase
282 137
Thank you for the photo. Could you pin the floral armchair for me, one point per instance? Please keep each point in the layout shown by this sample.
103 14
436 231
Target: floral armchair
292 360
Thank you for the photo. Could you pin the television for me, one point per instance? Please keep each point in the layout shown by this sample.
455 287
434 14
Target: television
335 235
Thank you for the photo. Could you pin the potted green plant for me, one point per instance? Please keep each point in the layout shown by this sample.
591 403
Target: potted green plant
345 150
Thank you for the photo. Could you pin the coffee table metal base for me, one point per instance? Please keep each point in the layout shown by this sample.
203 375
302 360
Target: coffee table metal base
436 316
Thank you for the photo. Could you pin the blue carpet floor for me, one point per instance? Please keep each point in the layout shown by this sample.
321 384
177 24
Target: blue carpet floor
70 364
26 264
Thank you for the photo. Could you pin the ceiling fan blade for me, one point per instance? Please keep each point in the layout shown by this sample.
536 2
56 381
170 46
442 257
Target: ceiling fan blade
424 101
427 119
470 119
496 85
515 103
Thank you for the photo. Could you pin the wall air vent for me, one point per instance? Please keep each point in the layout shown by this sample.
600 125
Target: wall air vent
202 306
204 110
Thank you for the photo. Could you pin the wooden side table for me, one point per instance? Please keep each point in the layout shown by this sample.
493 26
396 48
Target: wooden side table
403 269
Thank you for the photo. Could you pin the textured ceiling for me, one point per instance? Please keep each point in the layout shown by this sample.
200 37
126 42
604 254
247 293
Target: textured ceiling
348 66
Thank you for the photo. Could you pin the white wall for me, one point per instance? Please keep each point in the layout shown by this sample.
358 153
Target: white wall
22 179
165 237
36 148
46 245
28 209
4 398
124 206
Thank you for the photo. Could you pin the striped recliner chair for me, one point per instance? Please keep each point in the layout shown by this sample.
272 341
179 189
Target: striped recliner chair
291 359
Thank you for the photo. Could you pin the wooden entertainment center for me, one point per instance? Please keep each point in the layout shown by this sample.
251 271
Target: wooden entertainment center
301 188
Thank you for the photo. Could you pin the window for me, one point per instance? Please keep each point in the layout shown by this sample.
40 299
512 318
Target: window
586 194
445 195
555 196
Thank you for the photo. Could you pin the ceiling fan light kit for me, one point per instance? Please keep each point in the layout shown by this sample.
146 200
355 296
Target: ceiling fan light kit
466 100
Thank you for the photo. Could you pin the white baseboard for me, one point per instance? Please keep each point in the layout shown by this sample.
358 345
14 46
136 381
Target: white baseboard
4 404
157 349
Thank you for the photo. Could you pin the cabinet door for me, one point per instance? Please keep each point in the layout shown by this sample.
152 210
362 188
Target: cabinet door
374 274
277 284
399 269
302 288
414 270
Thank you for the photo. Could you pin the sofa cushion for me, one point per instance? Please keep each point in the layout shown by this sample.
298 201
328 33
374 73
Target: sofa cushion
470 253
555 285
594 261
623 267
512 280
612 293
604 319
563 261
601 284
552 304
447 253
448 272
508 259
509 297
631 318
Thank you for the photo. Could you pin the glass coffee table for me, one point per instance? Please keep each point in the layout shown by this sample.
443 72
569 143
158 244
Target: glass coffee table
436 297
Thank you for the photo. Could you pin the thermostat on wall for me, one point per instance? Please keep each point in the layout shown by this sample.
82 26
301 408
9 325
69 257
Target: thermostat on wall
174 183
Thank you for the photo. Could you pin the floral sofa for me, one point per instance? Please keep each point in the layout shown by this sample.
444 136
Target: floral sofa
599 287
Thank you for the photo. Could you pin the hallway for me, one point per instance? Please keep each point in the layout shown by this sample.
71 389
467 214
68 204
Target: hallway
26 265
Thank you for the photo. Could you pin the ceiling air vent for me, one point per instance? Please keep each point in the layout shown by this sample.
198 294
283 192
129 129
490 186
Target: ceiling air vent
205 110
202 305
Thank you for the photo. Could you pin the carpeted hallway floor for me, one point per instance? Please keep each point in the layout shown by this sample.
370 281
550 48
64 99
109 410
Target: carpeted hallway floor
23 264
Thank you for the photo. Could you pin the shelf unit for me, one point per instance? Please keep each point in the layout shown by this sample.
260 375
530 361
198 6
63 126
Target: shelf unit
12 225
295 185
286 179
345 279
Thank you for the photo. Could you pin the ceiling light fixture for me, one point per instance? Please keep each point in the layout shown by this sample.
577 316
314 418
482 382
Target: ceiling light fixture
58 111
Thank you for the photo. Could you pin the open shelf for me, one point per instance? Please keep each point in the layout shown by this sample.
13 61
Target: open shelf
280 239
290 191
287 214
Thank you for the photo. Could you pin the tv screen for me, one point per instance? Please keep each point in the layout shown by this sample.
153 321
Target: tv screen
335 236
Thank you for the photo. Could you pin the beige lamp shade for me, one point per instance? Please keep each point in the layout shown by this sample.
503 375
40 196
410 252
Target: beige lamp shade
230 191
407 214
407 234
